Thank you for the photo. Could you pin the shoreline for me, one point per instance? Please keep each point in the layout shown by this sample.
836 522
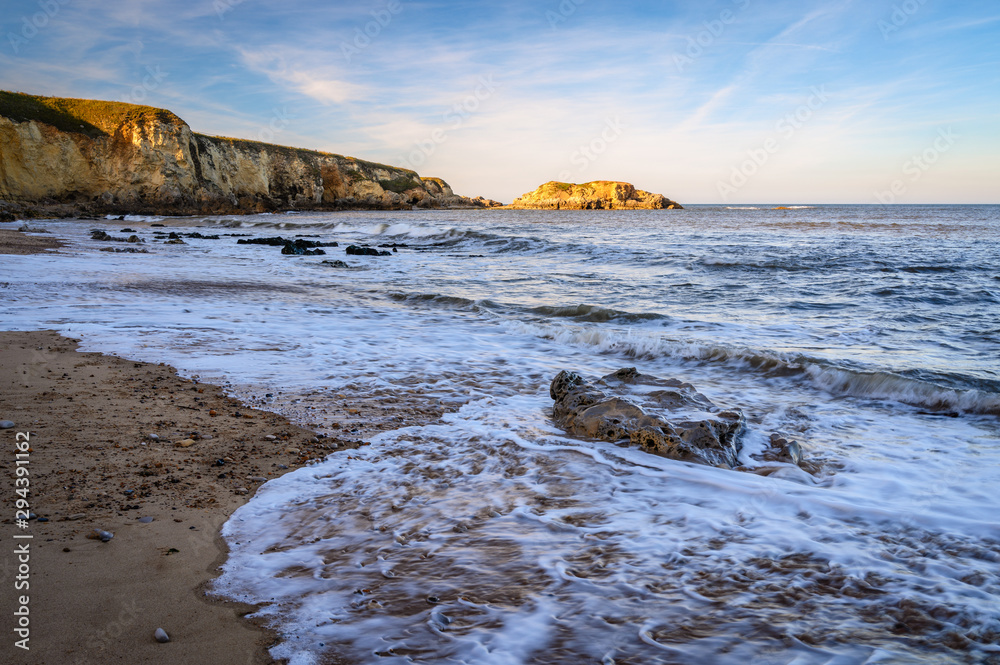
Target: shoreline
16 211
13 241
93 465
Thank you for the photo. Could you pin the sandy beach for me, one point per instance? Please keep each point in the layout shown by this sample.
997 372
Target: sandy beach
94 465
113 443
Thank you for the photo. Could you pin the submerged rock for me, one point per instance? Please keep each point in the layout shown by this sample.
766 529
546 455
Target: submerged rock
302 248
355 250
697 431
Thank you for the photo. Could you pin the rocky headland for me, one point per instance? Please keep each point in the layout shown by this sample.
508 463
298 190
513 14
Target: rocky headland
73 156
597 195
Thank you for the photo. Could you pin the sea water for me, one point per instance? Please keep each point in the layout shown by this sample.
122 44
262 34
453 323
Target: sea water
869 334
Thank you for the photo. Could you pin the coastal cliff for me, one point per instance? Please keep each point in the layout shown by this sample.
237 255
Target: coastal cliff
597 195
116 157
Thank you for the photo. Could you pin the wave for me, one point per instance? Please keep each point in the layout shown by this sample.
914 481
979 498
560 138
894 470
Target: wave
774 264
430 236
962 394
447 302
595 313
134 218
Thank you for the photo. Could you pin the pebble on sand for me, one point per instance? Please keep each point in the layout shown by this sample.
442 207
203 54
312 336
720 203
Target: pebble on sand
161 635
6 424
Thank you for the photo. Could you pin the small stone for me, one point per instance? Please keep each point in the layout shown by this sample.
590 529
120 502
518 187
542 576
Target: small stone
185 443
43 519
161 635
145 520
6 424
213 412
258 479
207 437
98 534
291 450
241 490
270 437
154 437
76 516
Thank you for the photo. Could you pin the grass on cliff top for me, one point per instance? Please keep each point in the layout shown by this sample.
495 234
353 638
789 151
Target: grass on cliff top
567 186
91 117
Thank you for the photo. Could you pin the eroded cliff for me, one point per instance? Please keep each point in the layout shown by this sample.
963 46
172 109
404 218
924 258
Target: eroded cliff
116 157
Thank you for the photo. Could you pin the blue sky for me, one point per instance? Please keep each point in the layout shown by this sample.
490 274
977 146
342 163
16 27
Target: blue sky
735 101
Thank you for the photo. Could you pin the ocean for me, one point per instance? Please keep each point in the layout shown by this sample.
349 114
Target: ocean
868 334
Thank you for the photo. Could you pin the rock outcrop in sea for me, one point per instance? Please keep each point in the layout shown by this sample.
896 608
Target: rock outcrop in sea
623 407
597 195
112 157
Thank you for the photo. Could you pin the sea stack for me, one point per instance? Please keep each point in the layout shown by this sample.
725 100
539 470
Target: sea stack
596 195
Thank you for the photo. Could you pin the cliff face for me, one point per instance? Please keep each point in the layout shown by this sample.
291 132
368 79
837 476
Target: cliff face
111 157
597 195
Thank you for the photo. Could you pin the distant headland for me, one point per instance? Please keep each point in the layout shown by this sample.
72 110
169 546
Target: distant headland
597 195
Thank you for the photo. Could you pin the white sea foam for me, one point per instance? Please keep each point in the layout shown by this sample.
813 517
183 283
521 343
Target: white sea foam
542 548
492 538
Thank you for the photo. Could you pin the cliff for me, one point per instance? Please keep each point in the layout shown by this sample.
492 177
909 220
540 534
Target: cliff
115 157
597 195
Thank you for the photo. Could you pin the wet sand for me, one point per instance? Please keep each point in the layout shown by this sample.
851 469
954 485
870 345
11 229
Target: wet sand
93 465
15 242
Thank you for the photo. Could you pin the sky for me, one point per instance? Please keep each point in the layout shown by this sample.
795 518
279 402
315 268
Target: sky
733 101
